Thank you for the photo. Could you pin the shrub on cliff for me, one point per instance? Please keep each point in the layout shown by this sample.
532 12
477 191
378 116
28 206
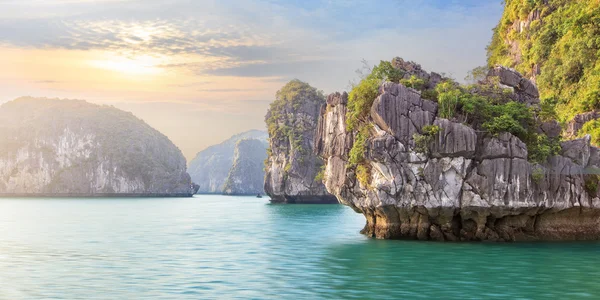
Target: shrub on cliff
362 95
360 100
413 82
423 141
487 107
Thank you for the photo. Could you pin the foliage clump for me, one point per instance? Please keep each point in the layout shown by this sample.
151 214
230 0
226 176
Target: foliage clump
321 174
363 174
591 184
593 129
538 174
486 106
357 153
414 82
362 95
424 140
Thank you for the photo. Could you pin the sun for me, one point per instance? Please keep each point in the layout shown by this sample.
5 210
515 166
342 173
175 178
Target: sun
137 65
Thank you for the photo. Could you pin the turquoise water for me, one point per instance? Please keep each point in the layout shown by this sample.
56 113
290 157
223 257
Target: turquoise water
244 248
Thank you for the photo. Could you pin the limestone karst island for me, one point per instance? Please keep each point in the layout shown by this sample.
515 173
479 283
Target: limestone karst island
279 149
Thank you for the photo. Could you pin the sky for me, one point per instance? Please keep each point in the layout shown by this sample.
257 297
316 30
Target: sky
200 71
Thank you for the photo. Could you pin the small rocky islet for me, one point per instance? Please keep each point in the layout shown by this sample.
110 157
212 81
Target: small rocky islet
293 170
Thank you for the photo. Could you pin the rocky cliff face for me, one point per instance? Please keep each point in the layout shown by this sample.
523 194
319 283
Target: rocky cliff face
246 176
67 147
469 185
210 168
292 166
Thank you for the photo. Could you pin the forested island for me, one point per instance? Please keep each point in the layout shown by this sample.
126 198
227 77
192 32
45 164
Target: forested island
71 148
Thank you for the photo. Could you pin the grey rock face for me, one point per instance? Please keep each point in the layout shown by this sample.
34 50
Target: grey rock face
246 176
402 112
471 186
411 68
454 139
210 168
525 90
578 121
551 129
505 145
74 148
577 150
292 165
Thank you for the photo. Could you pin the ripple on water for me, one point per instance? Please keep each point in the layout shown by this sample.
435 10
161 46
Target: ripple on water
243 248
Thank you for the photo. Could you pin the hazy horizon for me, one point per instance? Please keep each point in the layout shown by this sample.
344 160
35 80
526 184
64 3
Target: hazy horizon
202 71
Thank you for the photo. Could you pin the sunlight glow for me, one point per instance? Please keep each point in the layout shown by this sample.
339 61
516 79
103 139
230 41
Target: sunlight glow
138 65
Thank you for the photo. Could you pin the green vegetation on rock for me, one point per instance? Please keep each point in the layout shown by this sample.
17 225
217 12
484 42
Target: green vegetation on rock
321 174
413 82
487 107
360 100
537 174
357 153
558 43
424 140
593 129
591 183
362 95
288 100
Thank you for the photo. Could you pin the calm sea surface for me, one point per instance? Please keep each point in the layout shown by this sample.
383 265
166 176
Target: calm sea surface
244 248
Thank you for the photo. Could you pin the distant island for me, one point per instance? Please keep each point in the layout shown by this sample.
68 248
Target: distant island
73 148
233 166
247 174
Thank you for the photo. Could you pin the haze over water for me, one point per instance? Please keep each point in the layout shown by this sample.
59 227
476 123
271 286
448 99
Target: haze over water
242 247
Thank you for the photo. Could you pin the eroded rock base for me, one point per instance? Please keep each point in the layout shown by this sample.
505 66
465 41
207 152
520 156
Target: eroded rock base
304 200
477 224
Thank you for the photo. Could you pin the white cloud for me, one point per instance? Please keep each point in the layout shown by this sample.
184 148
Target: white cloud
311 40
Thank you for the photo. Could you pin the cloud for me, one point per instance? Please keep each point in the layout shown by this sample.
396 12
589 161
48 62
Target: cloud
265 38
229 90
